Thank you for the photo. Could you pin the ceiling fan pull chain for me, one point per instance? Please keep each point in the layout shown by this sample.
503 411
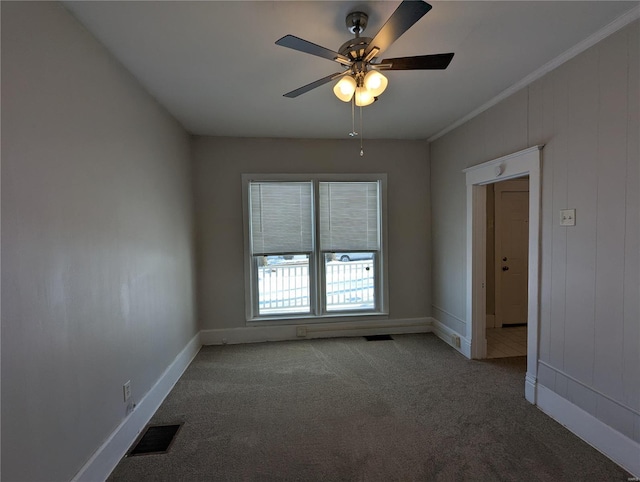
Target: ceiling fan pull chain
362 134
353 115
353 132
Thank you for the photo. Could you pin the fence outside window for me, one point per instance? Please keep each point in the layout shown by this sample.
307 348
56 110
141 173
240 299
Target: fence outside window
284 288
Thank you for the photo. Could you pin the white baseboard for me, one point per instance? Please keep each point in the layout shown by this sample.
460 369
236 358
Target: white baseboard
446 334
256 334
105 459
619 448
448 319
530 387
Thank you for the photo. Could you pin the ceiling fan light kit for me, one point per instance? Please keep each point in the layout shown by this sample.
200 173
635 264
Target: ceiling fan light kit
345 88
361 81
364 97
375 82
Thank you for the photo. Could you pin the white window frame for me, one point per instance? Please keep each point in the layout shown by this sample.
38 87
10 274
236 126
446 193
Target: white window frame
316 272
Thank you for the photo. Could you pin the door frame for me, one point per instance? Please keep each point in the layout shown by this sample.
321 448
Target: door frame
522 163
511 185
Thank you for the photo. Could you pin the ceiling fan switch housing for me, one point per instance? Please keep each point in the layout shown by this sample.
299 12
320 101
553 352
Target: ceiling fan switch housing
357 22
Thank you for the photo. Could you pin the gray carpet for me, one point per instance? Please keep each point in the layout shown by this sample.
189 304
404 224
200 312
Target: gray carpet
357 410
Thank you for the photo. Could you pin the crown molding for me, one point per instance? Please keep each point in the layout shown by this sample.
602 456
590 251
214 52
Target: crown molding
620 22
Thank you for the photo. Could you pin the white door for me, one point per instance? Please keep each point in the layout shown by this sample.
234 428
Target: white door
512 251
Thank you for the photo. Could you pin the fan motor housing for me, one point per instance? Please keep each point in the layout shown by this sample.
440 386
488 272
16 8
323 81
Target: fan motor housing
354 48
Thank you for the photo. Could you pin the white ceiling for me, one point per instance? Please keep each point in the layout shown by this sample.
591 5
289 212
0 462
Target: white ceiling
215 67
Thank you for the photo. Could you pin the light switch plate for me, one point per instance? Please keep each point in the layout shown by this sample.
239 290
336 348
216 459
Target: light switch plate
567 217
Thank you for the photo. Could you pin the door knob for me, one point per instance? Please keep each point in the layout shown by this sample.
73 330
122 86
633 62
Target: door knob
505 268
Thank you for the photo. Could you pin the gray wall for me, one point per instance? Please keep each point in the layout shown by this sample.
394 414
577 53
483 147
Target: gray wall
97 268
219 163
586 113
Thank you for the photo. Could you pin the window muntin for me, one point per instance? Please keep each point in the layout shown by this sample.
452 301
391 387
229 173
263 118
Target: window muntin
315 246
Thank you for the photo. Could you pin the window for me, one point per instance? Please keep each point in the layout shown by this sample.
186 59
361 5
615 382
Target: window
314 246
281 222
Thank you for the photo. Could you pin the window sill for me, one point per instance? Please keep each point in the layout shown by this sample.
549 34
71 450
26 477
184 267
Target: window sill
311 319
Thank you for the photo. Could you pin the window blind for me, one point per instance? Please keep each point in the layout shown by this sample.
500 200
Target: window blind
349 216
281 217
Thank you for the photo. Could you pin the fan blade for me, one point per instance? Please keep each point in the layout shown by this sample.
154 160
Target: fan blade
407 13
307 47
313 85
419 62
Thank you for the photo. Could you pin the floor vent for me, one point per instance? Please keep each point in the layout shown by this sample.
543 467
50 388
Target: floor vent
157 439
378 337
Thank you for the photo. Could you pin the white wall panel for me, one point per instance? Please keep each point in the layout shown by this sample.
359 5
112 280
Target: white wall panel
582 396
505 127
546 376
541 115
631 307
448 199
610 220
586 114
485 137
582 184
447 196
615 415
562 385
555 162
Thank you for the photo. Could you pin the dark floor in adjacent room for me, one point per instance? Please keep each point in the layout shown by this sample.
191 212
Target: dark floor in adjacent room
411 408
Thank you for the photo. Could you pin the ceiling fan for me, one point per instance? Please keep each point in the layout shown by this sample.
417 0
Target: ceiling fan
361 79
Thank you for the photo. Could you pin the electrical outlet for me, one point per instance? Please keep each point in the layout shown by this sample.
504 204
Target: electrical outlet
126 390
301 331
455 341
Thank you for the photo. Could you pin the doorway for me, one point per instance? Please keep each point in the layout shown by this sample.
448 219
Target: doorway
507 267
519 164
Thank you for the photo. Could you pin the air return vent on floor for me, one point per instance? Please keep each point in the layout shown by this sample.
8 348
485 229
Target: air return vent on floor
378 337
157 439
